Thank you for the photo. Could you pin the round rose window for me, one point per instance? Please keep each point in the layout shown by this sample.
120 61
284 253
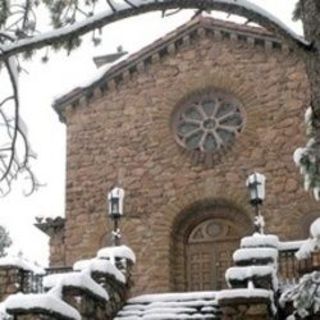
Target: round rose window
208 121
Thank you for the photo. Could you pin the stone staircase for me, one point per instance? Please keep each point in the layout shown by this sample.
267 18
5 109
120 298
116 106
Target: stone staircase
94 289
171 306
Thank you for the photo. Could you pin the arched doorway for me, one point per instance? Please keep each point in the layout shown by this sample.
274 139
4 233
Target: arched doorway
209 248
204 238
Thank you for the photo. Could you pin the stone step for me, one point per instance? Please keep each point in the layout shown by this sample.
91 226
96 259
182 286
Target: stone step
171 306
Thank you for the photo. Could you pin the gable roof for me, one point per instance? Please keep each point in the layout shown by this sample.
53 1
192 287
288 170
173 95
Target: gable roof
113 74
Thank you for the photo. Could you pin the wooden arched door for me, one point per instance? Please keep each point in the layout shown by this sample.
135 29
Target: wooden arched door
209 248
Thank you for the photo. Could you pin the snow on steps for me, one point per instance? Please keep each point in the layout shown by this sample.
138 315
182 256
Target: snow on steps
240 275
52 303
100 266
260 240
269 241
246 255
80 280
171 306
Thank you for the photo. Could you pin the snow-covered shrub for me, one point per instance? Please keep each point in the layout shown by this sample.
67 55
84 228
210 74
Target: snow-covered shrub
305 297
312 244
5 241
308 157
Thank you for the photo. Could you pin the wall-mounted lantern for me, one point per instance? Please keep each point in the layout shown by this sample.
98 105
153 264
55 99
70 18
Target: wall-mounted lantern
115 205
256 185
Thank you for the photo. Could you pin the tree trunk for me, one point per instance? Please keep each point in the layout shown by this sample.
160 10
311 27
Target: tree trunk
310 15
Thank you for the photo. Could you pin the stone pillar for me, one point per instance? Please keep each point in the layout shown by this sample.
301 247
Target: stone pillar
54 228
11 280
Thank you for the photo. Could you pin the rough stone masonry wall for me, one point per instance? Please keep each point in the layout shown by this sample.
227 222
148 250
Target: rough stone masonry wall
125 136
11 281
57 247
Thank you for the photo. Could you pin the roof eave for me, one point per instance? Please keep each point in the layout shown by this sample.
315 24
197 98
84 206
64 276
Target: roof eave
145 55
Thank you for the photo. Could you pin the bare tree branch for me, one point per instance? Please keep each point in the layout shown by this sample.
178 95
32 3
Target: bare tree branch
125 10
16 118
10 164
6 100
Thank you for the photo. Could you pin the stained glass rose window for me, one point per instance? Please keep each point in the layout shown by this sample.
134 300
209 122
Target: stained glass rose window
208 121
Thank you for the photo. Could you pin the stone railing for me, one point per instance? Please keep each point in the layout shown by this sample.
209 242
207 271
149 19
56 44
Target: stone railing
93 289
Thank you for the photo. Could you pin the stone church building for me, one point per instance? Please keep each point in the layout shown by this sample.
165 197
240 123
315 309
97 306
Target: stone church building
180 125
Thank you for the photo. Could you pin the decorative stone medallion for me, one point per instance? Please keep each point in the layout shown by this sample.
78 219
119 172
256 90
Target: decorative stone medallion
207 123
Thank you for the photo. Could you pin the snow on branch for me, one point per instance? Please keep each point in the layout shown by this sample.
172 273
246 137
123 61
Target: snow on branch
308 158
305 297
15 152
117 10
312 244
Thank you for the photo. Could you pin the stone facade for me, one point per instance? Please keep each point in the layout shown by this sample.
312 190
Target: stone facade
123 135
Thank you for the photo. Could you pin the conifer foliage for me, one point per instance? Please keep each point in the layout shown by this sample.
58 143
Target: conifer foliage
5 241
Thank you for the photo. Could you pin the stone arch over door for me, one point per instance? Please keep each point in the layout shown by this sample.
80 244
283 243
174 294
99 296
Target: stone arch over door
203 239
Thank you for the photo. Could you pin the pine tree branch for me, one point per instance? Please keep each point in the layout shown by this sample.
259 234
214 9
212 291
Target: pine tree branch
127 9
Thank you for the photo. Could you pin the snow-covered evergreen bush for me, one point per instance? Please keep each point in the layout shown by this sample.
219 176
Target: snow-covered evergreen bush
308 157
5 241
305 297
312 244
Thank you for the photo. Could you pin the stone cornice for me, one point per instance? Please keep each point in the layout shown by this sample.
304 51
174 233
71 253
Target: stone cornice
51 225
167 45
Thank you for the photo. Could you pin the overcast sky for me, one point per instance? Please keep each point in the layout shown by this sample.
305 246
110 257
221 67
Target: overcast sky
47 134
